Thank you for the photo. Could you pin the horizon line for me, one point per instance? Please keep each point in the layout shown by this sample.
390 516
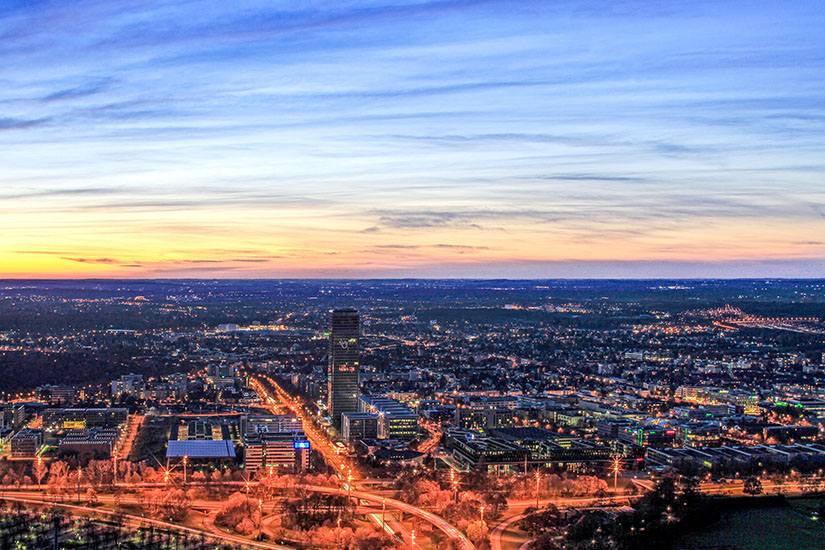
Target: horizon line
596 278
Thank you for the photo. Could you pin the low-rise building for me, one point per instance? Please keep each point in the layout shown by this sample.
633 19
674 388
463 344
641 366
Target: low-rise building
359 425
26 443
97 442
54 419
395 420
288 451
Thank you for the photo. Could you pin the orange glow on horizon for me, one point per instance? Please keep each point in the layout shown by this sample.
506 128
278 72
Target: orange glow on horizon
305 242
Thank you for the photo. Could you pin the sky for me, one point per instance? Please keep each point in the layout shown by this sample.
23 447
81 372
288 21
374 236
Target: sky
519 139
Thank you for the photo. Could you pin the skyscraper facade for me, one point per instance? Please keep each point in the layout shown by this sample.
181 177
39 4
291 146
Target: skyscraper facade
344 334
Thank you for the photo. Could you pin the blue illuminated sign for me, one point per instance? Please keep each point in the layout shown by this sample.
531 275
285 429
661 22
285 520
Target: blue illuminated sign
302 444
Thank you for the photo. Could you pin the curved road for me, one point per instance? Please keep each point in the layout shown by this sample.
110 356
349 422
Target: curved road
399 506
391 504
138 521
500 529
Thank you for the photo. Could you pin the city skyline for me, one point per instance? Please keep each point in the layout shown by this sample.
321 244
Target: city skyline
435 139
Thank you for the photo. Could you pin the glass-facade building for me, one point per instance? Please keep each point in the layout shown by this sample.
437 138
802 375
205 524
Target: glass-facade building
344 333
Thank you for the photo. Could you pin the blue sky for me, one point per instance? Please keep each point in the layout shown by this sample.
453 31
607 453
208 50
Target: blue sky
520 139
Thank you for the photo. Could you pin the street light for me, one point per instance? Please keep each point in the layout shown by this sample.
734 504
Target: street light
260 518
338 531
39 464
482 514
454 483
617 465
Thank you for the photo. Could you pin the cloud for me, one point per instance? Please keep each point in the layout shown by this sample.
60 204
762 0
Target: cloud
44 193
92 87
22 123
254 260
92 260
418 221
461 247
593 177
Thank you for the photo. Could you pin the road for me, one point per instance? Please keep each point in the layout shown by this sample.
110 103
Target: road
271 393
392 505
432 441
399 506
499 531
138 521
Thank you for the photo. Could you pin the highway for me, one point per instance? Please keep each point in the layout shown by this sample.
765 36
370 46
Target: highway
392 505
138 521
399 506
31 495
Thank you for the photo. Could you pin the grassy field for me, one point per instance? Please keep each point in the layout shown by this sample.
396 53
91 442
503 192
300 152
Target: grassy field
776 528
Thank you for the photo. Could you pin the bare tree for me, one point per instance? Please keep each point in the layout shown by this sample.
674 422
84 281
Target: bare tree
39 472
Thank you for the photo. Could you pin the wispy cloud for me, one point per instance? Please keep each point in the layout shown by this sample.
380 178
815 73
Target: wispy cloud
91 87
45 193
92 260
21 123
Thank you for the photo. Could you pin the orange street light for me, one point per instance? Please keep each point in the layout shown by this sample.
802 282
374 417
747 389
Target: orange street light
617 466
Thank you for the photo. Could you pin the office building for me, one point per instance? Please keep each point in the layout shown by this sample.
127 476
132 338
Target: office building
343 364
272 423
26 443
56 394
395 420
97 442
279 450
54 419
359 425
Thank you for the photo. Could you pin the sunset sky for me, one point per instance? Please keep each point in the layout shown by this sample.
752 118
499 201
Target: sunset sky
425 139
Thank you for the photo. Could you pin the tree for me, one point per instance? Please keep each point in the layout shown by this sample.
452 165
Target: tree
690 488
539 521
58 475
544 542
753 486
235 510
496 504
476 531
370 539
39 472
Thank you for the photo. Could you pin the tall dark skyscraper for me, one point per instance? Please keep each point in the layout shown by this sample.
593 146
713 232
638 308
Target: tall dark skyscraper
344 334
